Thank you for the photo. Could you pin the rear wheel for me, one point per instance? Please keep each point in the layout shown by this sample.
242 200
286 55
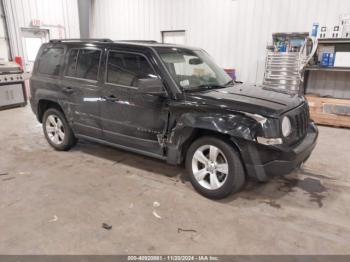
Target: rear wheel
57 130
214 167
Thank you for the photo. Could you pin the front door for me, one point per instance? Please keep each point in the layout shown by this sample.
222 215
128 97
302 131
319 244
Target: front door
130 118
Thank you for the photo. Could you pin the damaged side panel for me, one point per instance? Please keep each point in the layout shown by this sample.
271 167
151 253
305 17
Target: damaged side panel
188 125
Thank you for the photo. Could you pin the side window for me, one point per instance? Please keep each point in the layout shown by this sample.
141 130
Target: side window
72 62
50 61
83 63
125 69
88 64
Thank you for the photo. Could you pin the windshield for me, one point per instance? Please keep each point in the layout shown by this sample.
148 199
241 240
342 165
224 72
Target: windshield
193 69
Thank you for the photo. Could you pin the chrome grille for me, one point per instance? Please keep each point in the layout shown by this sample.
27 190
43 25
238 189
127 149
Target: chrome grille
300 118
301 121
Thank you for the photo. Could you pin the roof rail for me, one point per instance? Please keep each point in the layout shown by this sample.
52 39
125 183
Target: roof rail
139 41
81 40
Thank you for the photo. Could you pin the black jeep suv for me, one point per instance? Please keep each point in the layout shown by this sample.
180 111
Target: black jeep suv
169 102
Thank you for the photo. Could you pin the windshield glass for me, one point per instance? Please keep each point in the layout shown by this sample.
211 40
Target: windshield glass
193 69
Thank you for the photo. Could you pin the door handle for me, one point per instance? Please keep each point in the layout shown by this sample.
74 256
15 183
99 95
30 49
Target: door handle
68 90
110 98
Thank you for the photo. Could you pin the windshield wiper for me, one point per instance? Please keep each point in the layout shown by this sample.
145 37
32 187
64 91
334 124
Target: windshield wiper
206 87
229 83
209 86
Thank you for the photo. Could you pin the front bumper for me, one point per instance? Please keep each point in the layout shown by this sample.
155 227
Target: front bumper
266 161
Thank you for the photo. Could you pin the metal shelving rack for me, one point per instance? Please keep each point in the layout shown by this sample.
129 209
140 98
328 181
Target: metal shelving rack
335 69
284 60
328 88
282 70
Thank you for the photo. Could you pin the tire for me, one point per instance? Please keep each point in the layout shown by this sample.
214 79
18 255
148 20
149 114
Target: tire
226 167
61 136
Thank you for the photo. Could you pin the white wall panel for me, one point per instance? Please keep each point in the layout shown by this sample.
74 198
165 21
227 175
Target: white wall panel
234 32
60 17
4 49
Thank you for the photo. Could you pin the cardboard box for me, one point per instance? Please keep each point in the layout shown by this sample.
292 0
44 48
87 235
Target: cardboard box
342 59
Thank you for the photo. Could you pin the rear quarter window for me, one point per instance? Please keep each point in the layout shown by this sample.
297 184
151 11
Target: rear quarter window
50 61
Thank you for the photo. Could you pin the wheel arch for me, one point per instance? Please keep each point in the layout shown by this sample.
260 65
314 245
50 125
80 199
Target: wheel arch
45 104
234 129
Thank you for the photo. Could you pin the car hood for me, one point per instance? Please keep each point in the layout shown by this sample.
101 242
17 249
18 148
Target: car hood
248 98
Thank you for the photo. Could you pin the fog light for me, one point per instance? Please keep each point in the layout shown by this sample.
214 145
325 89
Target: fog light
269 141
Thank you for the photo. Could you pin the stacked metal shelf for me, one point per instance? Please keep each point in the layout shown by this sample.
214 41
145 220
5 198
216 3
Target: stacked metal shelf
283 70
328 88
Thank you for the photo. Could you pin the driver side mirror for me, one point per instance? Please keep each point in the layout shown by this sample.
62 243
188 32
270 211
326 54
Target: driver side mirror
151 86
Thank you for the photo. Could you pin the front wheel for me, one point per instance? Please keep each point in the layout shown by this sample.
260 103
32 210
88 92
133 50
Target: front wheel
57 130
214 167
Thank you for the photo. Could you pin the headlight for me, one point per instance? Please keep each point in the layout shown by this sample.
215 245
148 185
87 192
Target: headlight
286 126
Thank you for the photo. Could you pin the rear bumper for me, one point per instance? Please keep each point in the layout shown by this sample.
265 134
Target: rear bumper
34 106
282 160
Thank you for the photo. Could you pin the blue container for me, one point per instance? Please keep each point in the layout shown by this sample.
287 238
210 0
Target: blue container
325 59
331 60
314 30
282 48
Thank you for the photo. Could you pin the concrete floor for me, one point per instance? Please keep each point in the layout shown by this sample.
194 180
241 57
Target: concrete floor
307 212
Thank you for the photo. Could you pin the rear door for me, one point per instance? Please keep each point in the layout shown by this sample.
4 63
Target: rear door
130 118
81 87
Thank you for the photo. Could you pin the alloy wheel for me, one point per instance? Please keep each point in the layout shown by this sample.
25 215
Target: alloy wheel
55 129
210 167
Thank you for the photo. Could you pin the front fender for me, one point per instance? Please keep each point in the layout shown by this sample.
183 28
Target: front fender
238 126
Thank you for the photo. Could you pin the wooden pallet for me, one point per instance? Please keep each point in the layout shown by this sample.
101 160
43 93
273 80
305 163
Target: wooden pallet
329 111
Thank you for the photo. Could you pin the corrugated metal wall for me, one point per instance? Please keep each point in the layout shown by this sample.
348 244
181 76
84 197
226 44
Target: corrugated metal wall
3 42
60 17
234 32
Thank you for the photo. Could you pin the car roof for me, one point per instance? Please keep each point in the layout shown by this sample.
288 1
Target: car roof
155 44
124 43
